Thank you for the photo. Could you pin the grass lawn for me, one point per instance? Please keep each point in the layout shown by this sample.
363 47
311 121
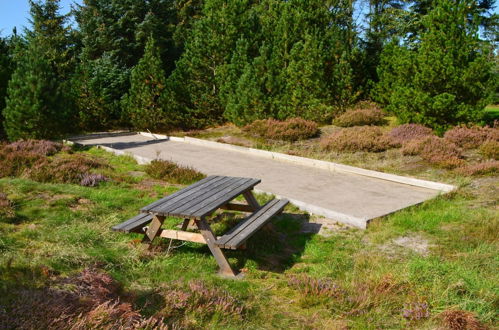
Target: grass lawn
420 268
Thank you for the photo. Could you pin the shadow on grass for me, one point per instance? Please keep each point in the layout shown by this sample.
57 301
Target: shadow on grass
274 248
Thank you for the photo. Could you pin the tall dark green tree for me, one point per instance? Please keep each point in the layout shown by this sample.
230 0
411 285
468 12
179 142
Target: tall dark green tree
195 85
6 68
113 34
38 99
147 83
447 79
385 20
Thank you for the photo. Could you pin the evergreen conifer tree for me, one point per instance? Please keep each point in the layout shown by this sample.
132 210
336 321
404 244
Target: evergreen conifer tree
38 102
445 81
147 83
5 73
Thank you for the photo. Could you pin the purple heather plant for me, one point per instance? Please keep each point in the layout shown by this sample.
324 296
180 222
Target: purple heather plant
415 311
92 179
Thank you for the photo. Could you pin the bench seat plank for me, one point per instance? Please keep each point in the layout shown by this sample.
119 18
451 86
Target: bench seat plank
134 224
245 229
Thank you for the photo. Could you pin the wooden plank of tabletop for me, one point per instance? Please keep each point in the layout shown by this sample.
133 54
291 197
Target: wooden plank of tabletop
195 195
214 202
195 204
179 193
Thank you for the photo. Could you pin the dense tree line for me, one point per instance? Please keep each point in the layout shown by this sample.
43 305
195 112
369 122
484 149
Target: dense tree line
162 64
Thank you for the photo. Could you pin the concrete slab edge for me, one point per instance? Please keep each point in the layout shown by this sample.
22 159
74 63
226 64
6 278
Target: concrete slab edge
317 210
340 217
320 164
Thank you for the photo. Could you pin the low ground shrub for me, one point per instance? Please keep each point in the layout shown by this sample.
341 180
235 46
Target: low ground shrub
471 137
317 287
490 167
436 151
47 161
64 168
293 129
89 300
490 149
460 320
172 172
415 311
38 147
199 299
365 114
407 132
14 163
360 138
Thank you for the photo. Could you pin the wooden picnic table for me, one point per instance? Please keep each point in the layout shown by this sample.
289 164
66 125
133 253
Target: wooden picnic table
197 202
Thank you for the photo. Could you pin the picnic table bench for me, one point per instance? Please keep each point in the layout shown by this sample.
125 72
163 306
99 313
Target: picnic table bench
198 201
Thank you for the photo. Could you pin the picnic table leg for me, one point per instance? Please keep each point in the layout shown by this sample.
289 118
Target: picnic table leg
153 230
248 196
223 263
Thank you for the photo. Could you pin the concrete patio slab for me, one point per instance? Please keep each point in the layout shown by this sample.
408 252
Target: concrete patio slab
341 196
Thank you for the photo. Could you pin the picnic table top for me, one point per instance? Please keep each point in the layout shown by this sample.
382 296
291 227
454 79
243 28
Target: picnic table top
201 198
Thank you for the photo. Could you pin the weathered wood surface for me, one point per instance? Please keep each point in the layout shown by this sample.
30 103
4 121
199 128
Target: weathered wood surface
201 198
135 224
245 229
182 236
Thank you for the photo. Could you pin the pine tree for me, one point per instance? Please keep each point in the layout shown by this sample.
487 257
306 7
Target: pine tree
6 67
195 86
385 20
36 105
113 34
306 84
147 83
445 81
38 100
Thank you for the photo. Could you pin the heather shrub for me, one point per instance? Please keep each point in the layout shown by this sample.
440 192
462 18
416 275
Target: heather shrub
407 132
14 163
360 117
471 137
316 287
199 299
460 320
17 157
92 179
64 168
293 129
360 138
416 311
436 151
88 300
490 149
172 172
39 147
489 167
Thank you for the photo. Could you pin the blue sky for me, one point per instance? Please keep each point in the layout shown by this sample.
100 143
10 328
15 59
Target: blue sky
16 13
